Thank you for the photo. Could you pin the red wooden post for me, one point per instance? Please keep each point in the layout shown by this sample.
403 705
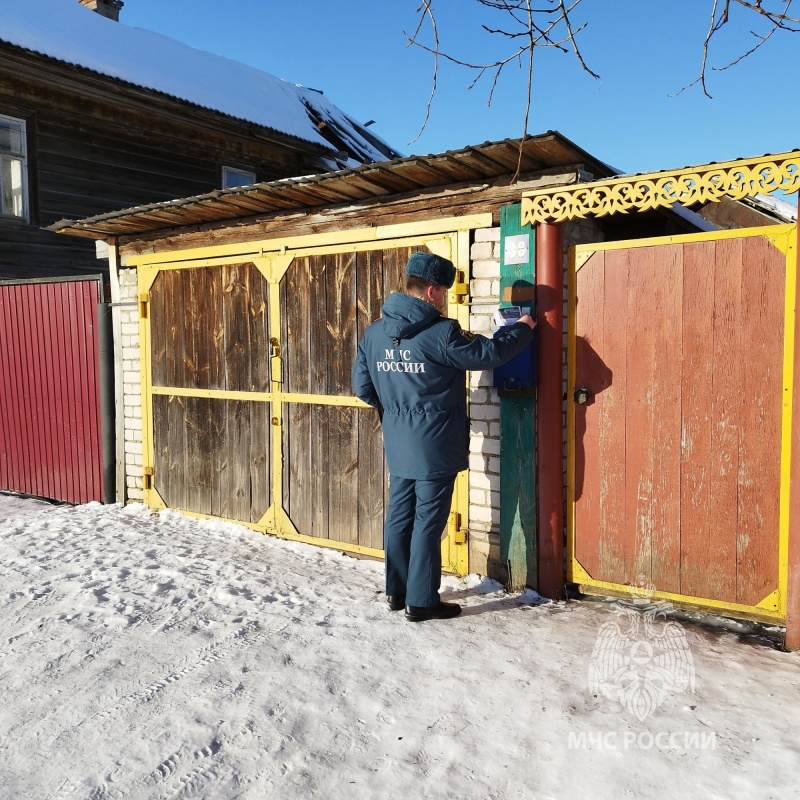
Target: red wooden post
550 323
793 584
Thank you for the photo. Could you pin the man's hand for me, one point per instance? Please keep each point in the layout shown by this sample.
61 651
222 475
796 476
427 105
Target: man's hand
528 320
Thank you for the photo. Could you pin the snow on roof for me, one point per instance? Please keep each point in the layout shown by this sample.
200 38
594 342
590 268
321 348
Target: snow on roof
64 30
786 212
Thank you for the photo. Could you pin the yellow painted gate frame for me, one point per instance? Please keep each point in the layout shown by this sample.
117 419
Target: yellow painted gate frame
773 607
447 237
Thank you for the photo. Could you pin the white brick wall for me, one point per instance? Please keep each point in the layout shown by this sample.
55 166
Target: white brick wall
131 361
484 461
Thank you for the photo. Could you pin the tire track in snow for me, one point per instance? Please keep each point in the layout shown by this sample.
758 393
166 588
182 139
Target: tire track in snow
246 636
183 772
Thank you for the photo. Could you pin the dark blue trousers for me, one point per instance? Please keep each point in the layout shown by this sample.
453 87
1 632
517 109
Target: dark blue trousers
412 534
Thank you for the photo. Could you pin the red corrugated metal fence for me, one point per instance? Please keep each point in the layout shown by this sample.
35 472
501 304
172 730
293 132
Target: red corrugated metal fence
50 441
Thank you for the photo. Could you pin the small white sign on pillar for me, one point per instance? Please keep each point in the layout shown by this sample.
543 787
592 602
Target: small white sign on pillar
517 249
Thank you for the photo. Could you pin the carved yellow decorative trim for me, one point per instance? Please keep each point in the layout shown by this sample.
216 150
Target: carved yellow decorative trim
712 182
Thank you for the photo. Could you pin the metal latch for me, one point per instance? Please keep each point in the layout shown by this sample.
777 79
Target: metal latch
461 287
454 528
275 360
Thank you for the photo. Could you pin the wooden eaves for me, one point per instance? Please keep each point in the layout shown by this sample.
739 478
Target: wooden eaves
487 161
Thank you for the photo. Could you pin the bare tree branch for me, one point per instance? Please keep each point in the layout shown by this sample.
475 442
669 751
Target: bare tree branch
526 28
713 27
427 11
547 26
779 20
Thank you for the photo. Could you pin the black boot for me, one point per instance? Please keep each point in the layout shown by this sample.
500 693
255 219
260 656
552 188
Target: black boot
441 611
395 601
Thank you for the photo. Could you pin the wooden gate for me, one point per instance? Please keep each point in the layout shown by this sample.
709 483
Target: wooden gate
678 461
248 410
50 438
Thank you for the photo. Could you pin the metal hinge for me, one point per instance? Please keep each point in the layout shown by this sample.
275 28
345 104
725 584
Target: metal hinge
144 299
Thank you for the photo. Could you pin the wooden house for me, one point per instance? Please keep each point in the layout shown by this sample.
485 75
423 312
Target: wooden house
96 116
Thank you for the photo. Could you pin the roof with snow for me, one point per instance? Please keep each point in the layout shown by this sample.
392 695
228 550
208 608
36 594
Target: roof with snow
67 32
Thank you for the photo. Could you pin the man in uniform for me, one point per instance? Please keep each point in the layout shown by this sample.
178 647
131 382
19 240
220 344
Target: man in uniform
410 366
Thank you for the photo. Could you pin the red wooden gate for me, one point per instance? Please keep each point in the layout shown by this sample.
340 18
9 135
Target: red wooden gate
50 442
680 366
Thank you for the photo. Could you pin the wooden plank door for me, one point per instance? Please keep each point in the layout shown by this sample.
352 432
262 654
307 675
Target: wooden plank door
334 486
249 413
206 398
678 462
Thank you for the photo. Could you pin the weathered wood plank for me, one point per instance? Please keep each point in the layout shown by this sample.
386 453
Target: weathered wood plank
215 328
726 404
704 568
159 323
260 460
612 364
321 350
296 353
667 294
371 478
763 286
236 328
176 411
199 440
258 318
238 447
340 303
297 346
342 462
321 433
340 296
188 356
319 494
640 495
589 472
158 330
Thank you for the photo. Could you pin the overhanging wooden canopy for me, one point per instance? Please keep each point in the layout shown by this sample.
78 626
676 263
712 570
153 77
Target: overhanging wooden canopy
369 182
688 186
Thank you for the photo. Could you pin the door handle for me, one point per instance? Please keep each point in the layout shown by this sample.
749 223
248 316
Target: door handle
581 396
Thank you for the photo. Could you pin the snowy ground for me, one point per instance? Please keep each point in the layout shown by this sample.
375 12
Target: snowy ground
153 656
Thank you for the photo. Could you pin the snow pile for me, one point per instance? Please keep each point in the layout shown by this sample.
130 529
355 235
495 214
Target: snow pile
154 656
64 30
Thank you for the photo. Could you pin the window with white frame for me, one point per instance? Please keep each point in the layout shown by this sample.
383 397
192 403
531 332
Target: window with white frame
232 177
13 168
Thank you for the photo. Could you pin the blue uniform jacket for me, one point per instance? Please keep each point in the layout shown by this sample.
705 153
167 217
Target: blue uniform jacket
410 366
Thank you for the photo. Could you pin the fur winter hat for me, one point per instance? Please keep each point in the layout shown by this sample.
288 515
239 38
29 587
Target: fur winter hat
431 267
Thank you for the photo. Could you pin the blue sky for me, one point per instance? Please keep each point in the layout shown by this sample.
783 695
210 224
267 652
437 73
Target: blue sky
644 51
